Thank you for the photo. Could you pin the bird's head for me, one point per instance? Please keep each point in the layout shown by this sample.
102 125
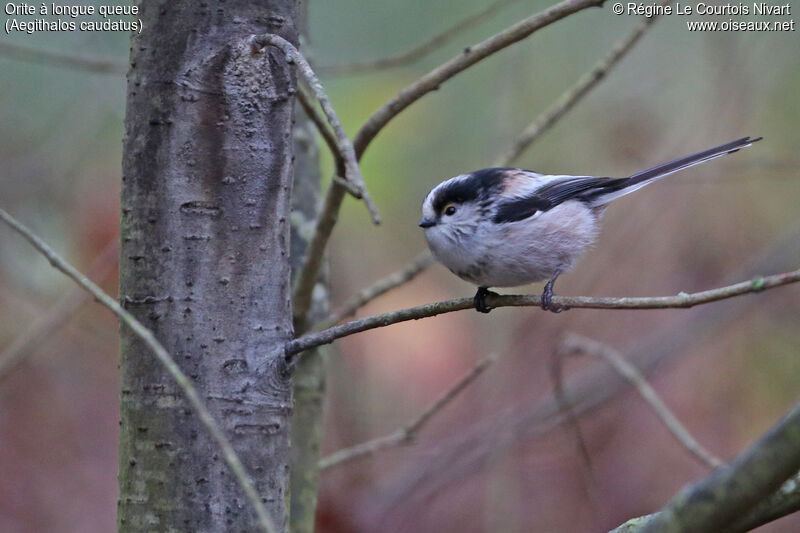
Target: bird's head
457 206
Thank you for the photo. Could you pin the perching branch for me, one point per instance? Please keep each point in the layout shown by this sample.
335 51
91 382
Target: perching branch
574 94
726 500
409 56
577 344
407 433
464 455
183 381
379 288
380 118
58 59
681 300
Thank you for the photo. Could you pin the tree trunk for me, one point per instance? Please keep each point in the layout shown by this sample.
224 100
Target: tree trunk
309 376
207 174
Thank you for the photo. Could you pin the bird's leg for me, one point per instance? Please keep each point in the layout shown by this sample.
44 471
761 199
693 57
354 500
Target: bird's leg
547 296
480 299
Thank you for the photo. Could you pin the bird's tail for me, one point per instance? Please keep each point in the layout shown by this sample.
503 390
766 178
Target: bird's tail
635 182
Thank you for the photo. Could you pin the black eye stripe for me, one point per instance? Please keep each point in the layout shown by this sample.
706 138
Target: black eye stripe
469 188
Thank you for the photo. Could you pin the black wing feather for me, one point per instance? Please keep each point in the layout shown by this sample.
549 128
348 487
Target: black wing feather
520 208
552 194
582 188
589 189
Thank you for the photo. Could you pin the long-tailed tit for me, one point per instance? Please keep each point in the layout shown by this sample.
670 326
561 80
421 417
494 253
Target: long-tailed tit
502 227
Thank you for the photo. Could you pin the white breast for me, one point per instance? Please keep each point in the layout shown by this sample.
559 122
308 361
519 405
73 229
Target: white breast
517 253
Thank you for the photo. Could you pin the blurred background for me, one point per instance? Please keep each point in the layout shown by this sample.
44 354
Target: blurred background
492 460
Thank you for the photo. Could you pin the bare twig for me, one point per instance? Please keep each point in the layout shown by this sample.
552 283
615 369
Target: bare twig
782 502
327 135
59 59
58 314
319 121
343 144
577 344
307 278
409 56
471 55
407 434
466 454
571 419
380 118
726 499
682 300
183 381
313 259
330 141
379 288
574 94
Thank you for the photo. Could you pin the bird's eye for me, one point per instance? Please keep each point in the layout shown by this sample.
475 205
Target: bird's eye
450 210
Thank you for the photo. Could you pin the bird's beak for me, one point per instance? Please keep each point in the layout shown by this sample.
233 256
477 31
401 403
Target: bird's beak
426 223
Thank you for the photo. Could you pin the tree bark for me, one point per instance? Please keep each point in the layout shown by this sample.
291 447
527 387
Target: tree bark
310 373
207 176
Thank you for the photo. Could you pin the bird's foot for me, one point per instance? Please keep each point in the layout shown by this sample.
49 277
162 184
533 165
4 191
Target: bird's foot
480 299
547 299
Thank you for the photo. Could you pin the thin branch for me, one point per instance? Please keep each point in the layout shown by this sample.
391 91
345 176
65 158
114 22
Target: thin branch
319 121
59 59
379 288
574 94
571 419
345 147
423 49
470 56
577 344
380 118
407 434
732 496
327 135
57 314
682 300
330 141
782 502
307 278
466 454
183 381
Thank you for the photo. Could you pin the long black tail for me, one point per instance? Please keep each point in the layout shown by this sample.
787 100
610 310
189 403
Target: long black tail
640 179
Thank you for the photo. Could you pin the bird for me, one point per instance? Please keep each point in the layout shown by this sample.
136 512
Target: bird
505 227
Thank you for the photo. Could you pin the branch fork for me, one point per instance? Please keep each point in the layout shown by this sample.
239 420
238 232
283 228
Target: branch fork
343 145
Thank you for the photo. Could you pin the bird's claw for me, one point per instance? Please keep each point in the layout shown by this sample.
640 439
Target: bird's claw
480 300
547 300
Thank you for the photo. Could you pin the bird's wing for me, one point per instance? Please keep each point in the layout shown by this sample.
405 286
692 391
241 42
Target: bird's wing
531 193
548 192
